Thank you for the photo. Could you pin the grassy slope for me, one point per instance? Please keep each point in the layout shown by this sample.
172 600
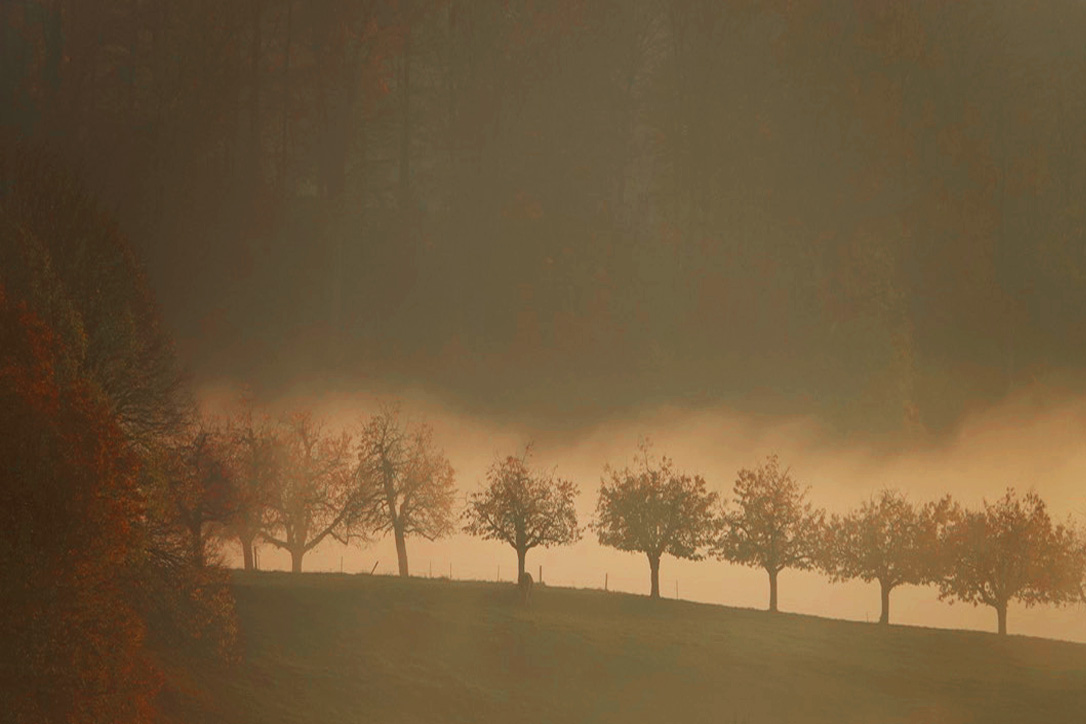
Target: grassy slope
334 648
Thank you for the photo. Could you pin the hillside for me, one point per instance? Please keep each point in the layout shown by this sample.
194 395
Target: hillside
328 648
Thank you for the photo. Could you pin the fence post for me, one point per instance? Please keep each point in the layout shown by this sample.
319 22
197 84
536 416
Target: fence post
541 574
605 577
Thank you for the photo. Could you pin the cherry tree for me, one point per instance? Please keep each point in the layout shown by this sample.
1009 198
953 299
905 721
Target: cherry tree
656 510
771 525
887 539
1011 550
523 508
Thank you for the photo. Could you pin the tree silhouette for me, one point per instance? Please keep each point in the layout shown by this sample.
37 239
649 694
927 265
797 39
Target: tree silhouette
313 496
887 539
406 485
653 509
772 525
203 483
523 508
258 453
1010 551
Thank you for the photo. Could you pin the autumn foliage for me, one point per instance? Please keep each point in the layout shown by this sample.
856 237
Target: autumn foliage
1011 550
99 577
888 539
73 641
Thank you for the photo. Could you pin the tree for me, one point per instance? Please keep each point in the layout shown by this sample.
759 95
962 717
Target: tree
772 525
313 496
98 572
406 484
1010 551
654 510
203 483
258 452
73 634
523 508
887 539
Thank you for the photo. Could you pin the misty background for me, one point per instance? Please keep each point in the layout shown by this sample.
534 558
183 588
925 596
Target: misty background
853 233
869 212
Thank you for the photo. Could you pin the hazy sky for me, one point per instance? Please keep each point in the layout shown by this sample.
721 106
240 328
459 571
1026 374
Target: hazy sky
1024 442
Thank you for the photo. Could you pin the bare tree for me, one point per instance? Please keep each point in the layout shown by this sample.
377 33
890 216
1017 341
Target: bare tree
523 508
406 484
313 496
772 525
653 509
202 483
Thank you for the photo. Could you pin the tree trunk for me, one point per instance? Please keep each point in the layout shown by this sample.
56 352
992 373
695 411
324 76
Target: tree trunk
401 551
1001 612
296 559
405 128
654 570
884 617
196 531
254 100
285 117
247 540
521 555
773 591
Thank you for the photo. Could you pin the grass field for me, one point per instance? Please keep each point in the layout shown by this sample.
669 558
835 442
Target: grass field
329 648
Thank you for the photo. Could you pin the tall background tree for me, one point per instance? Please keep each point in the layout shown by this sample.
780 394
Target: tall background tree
770 524
1011 550
887 539
314 495
523 508
406 484
655 510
